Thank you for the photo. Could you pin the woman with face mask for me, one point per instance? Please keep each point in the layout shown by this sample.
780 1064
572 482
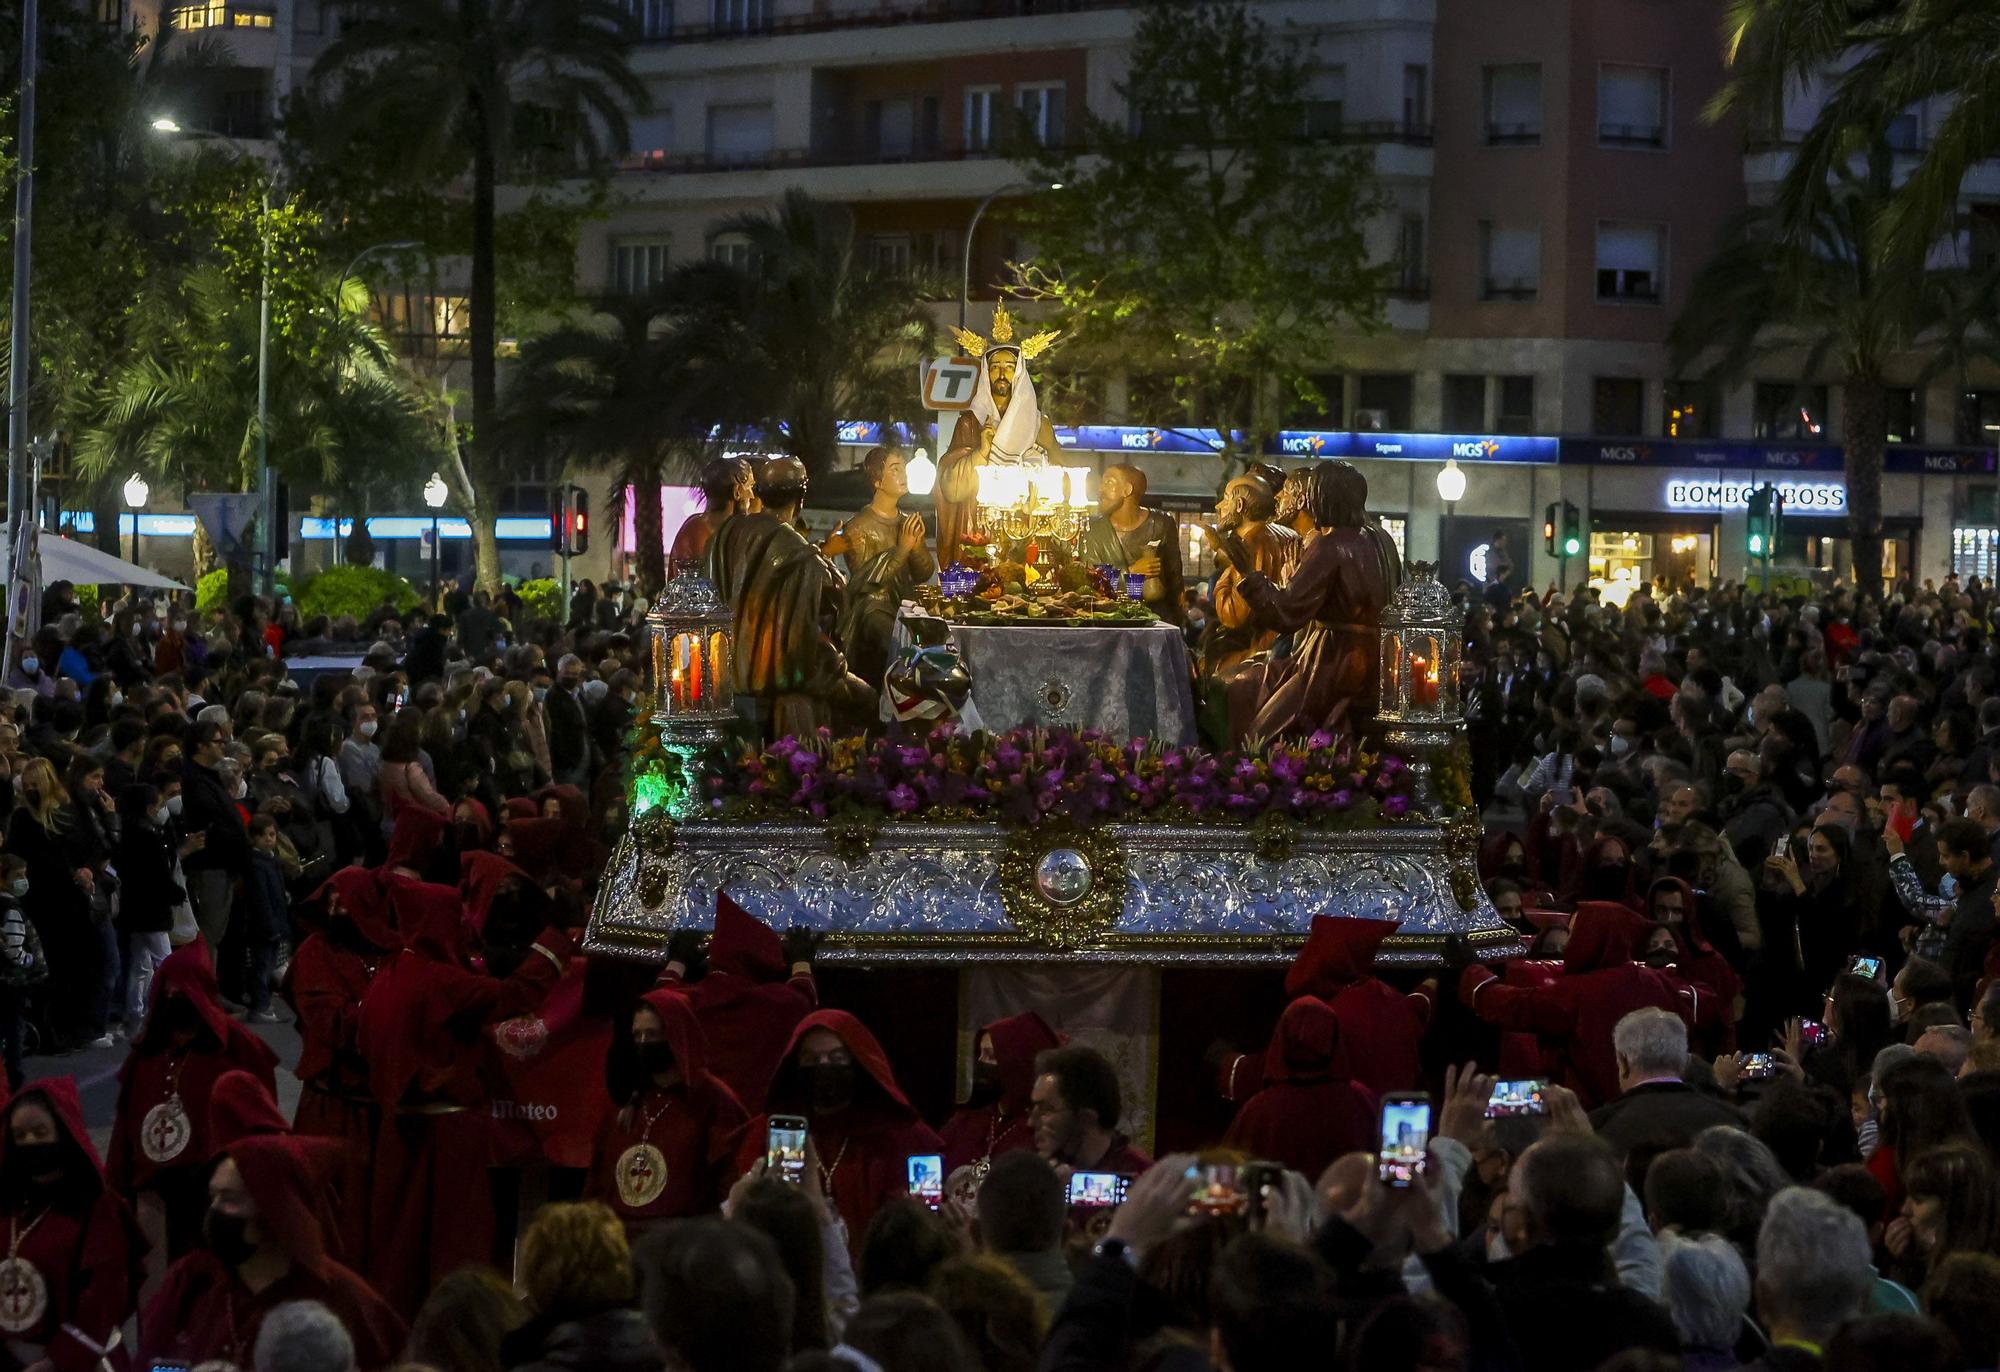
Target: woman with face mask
34 666
63 1224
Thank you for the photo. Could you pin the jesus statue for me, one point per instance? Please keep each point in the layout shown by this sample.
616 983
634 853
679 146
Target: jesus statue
1005 425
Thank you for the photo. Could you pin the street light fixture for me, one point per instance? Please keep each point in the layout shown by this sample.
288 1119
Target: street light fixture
137 493
921 474
1451 482
267 504
400 245
965 249
435 494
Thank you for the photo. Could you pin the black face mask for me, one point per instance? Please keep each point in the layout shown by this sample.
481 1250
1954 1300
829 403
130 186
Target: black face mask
28 1161
469 837
654 1058
228 1237
831 1085
987 1085
178 1012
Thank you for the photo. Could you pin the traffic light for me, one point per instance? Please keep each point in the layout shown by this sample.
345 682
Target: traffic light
1549 528
569 520
1762 529
1572 532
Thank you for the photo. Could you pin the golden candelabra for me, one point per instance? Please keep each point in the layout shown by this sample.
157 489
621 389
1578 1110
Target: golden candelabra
1043 505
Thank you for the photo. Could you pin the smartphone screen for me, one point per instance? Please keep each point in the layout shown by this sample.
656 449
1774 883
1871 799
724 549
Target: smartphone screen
1219 1191
1097 1190
1406 1135
1756 1066
1861 965
1512 1098
785 1148
926 1173
1811 1033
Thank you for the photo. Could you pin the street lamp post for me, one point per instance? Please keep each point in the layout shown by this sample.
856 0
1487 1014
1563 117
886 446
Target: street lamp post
965 248
267 505
137 492
340 287
435 494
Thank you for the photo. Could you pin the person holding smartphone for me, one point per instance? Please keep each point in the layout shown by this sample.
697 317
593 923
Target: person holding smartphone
666 1151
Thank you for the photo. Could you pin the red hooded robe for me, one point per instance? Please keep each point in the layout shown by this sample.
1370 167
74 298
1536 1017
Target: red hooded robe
204 1311
1309 1112
1600 985
84 1245
696 1124
1714 985
747 1006
864 1151
981 1133
1379 1025
421 1024
160 1140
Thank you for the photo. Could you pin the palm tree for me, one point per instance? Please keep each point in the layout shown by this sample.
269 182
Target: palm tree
487 87
832 336
1827 292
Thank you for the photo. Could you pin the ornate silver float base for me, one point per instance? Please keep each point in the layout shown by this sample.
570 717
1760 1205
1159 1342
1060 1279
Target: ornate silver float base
931 893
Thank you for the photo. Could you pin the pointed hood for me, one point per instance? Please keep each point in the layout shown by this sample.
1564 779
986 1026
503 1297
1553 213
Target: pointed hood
1306 1046
682 1031
435 918
485 876
573 807
286 1175
188 973
363 905
1339 951
787 1093
539 847
415 839
1688 933
744 945
240 1107
1017 1041
1604 934
517 809
482 820
59 1094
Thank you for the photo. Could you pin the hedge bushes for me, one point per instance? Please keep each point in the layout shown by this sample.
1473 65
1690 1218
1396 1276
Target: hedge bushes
543 597
352 591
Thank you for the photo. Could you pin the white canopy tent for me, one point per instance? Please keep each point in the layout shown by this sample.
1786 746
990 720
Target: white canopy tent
64 559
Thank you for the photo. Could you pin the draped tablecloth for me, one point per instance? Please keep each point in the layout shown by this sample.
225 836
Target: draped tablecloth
1127 682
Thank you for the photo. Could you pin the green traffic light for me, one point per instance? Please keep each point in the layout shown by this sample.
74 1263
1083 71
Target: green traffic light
1757 544
1572 546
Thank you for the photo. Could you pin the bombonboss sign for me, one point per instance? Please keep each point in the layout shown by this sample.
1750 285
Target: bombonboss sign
1801 497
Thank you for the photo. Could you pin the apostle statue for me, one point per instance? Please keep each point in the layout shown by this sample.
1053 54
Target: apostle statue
1004 425
1136 540
790 676
727 487
1332 606
1247 507
886 560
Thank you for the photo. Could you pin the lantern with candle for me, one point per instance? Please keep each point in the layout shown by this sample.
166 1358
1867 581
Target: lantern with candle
1423 637
694 701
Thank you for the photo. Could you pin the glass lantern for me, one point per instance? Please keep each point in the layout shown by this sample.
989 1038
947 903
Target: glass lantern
692 693
1423 636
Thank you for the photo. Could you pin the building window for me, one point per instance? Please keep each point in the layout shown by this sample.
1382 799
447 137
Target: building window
1903 415
1977 423
1510 261
1632 107
889 252
1692 409
979 103
739 135
1617 405
1787 410
1517 405
1325 103
1631 261
1513 103
651 18
889 128
1975 552
1412 267
1041 107
649 139
1323 413
732 250
1906 132
111 13
1382 401
1417 101
204 14
638 265
1464 404
740 16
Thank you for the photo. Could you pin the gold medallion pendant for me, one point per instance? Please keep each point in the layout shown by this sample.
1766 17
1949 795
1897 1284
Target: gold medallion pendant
641 1175
166 1130
24 1296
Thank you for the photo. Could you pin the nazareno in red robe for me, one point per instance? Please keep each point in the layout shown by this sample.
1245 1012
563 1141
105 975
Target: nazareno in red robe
331 970
863 1151
977 1133
748 1004
203 1310
1310 1111
85 1246
696 1124
170 1157
1379 1025
421 1024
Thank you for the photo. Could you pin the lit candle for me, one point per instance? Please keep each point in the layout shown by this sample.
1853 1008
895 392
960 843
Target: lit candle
697 697
1423 682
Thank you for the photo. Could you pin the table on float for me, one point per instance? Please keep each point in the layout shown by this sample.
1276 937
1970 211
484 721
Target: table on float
1127 681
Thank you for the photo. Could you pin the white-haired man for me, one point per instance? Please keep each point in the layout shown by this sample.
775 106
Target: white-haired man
1814 1274
1655 1106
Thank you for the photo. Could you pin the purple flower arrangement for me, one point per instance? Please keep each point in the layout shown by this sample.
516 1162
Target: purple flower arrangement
1085 776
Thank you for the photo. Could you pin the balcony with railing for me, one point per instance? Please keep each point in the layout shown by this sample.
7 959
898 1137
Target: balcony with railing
755 18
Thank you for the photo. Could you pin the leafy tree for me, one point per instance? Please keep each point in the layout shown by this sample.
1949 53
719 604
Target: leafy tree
824 335
485 87
1831 295
1210 239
